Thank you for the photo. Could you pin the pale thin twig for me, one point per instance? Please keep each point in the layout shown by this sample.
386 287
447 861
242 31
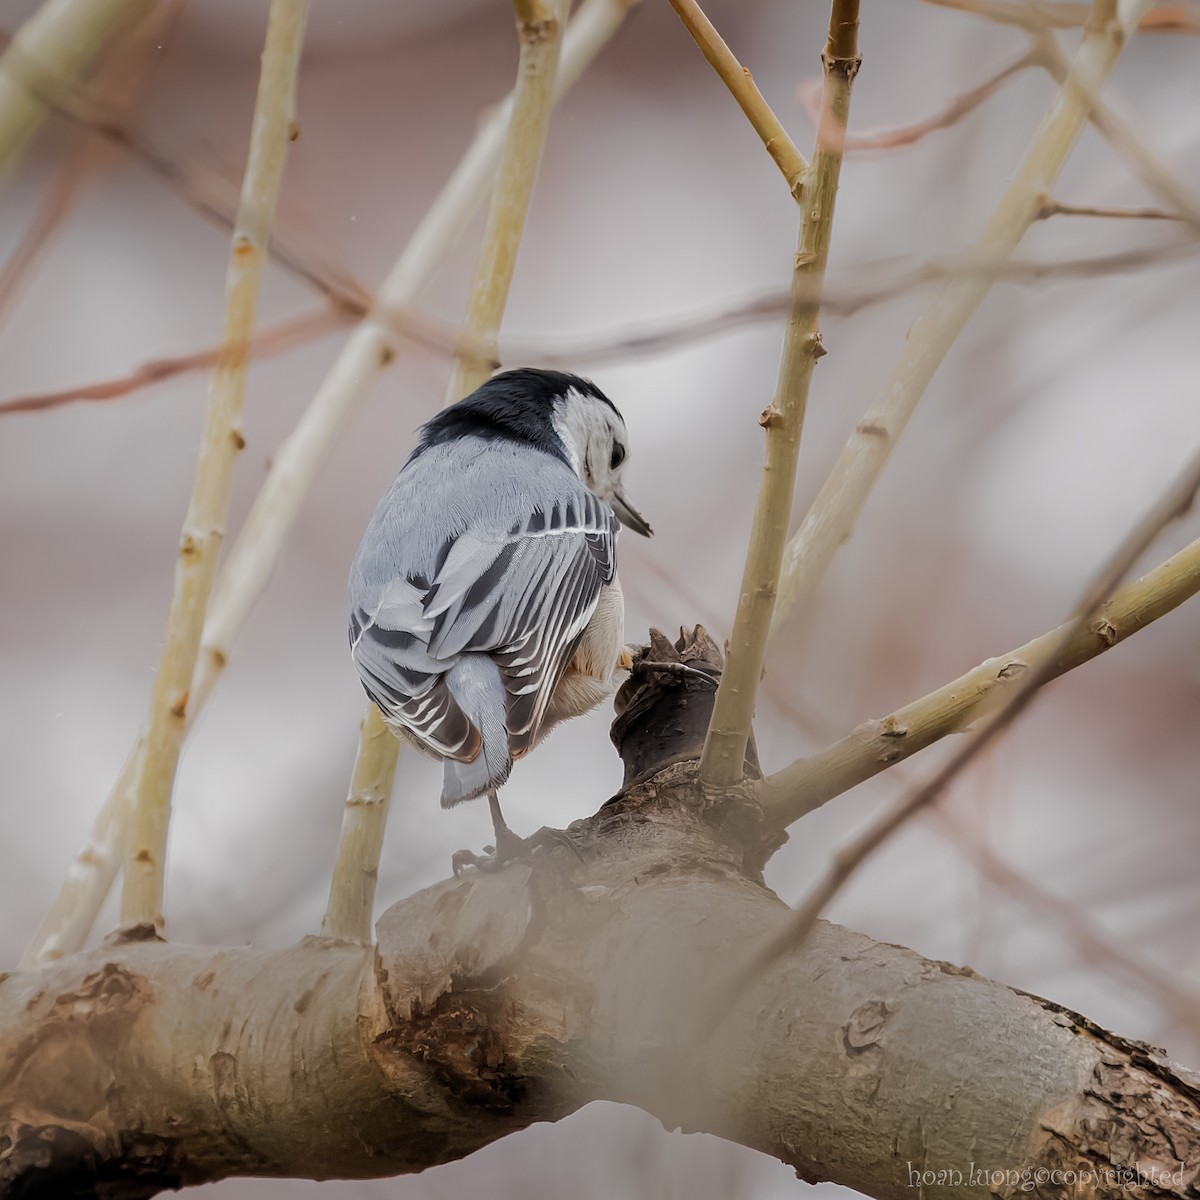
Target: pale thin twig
254 554
540 34
1174 503
742 87
274 120
834 512
876 746
1056 208
723 759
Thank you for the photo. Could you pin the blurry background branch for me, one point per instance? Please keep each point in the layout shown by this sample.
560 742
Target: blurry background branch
62 41
1183 17
867 286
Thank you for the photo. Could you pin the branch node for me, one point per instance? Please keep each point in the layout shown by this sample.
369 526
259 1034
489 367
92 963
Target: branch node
847 68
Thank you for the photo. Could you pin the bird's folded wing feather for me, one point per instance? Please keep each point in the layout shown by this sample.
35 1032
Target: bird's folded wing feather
523 595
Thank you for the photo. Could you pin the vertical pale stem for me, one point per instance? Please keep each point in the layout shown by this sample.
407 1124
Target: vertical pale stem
831 520
273 128
51 52
539 27
254 554
725 746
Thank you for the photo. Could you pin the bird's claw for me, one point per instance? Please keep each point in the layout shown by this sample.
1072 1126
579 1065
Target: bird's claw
510 848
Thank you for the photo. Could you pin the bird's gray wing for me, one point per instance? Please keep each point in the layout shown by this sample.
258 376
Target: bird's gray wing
526 600
522 592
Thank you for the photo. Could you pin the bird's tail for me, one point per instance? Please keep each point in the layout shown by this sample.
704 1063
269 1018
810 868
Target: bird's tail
475 683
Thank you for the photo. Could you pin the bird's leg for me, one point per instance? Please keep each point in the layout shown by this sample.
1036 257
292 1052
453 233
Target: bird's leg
508 845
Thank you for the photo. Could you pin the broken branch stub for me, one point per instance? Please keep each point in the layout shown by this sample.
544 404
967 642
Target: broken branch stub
664 707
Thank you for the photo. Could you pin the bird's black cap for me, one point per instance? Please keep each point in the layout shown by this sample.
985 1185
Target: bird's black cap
514 406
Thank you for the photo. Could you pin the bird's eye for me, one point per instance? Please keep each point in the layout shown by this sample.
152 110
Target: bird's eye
618 456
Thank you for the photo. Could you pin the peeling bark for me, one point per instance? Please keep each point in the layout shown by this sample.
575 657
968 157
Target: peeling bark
497 1000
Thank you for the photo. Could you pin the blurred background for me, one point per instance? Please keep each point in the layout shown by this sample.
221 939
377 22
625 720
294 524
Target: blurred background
1061 413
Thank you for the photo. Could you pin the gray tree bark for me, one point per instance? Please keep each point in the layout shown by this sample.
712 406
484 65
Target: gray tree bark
496 1000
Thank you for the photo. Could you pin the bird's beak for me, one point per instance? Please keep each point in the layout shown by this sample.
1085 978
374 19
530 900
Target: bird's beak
629 516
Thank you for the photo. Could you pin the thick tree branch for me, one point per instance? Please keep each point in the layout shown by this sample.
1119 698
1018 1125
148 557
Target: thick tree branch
495 1001
725 748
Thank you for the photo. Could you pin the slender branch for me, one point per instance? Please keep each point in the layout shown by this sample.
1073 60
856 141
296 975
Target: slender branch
1056 208
831 519
540 32
908 135
1134 147
274 339
356 869
1174 503
295 464
274 119
725 746
875 746
61 40
742 87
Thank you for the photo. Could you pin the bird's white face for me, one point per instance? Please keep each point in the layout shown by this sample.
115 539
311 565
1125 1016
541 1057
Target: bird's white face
594 436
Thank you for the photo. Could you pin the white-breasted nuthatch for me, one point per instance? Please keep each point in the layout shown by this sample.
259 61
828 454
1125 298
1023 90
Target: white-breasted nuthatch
484 600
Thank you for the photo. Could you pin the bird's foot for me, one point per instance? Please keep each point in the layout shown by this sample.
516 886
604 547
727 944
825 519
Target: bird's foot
510 848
